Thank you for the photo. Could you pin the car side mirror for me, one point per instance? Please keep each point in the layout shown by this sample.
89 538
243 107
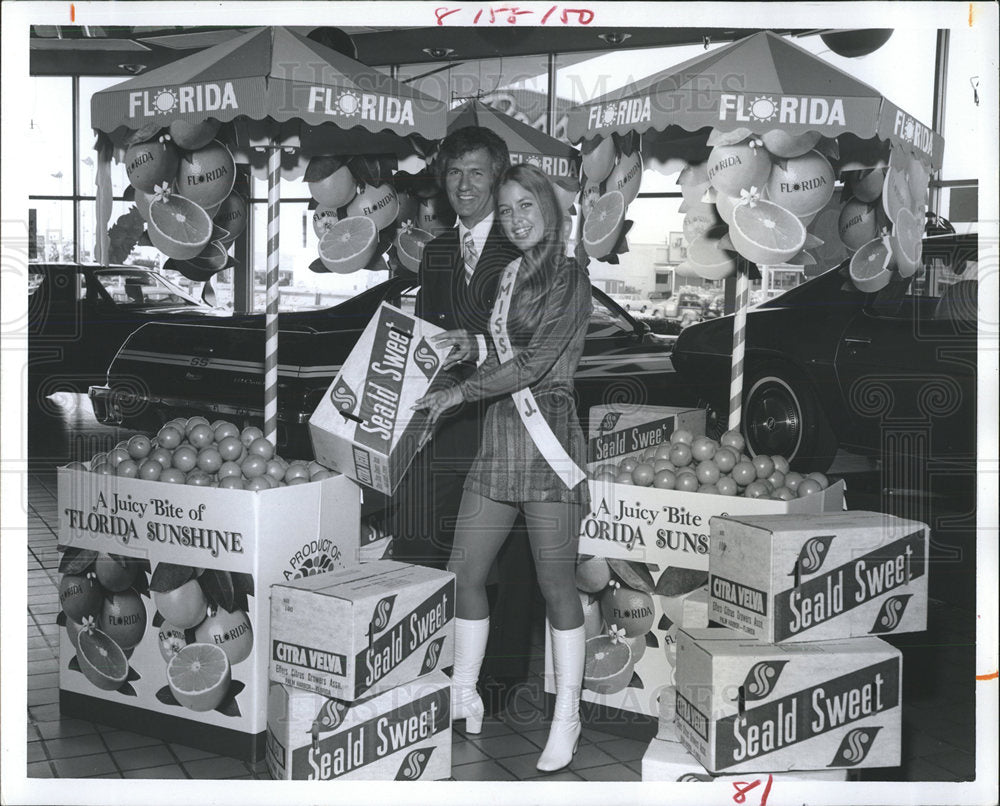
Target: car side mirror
641 328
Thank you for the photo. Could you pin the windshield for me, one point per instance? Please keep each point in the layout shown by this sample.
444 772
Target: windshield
136 287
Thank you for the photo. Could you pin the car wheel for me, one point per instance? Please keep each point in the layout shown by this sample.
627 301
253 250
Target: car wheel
782 416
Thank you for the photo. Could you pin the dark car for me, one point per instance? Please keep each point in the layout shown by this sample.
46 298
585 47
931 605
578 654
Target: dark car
216 369
827 365
79 315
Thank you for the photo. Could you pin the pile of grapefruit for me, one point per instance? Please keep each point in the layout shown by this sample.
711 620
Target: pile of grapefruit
194 451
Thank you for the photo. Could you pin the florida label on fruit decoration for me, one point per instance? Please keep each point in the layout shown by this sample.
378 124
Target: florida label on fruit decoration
164 594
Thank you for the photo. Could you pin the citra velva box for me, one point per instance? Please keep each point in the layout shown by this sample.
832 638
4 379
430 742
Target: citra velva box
403 734
818 577
356 632
746 706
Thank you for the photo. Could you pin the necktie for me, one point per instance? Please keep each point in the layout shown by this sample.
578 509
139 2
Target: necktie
471 256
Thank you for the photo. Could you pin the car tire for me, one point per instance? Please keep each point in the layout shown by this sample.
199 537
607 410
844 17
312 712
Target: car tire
782 415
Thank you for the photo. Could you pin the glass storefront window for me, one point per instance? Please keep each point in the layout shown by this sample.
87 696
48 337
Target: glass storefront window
86 138
53 230
49 136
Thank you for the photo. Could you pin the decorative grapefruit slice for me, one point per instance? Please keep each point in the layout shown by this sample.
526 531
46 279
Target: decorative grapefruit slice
199 675
349 244
895 193
101 660
410 243
869 268
178 227
906 242
604 224
608 666
766 233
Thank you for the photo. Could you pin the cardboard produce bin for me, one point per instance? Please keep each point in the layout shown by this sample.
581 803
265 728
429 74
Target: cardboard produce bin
364 425
188 550
356 632
666 759
819 577
623 429
747 706
403 734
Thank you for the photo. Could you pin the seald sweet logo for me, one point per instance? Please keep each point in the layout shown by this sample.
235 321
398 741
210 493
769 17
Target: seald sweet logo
414 764
891 613
693 776
382 614
432 655
854 747
426 359
343 396
330 716
609 421
762 678
812 554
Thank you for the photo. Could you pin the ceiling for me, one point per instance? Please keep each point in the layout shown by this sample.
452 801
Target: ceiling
128 50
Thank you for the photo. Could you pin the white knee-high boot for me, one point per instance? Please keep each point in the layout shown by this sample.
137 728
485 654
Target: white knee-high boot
471 636
564 732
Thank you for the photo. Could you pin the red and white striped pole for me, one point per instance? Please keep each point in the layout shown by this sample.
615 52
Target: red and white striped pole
271 316
739 344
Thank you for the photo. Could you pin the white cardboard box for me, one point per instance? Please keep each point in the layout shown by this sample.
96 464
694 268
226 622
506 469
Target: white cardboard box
747 706
402 734
818 577
666 759
364 425
251 539
363 630
618 430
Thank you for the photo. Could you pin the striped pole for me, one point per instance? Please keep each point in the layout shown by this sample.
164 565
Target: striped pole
739 343
271 317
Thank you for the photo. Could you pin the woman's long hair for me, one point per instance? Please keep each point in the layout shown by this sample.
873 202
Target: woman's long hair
544 259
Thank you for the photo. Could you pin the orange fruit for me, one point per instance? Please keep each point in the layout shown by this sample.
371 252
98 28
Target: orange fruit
123 618
744 473
336 190
895 193
868 185
80 596
113 574
593 574
628 609
732 168
184 607
199 675
191 136
378 202
642 474
906 242
249 434
179 227
784 144
858 223
232 217
349 244
410 243
870 269
687 482
766 233
626 176
733 439
598 163
665 479
807 486
603 225
802 185
726 486
819 478
101 660
150 164
231 631
170 640
608 665
207 174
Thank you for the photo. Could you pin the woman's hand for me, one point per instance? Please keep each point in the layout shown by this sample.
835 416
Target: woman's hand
463 346
437 403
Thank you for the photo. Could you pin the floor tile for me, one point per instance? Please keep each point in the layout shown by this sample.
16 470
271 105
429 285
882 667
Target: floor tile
562 775
84 766
465 752
40 769
185 753
590 755
126 740
491 727
63 728
36 752
215 768
44 713
169 771
43 696
504 746
38 679
481 771
75 746
624 749
141 757
609 772
961 764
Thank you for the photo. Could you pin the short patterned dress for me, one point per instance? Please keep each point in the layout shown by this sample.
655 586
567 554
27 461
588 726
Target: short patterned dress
547 326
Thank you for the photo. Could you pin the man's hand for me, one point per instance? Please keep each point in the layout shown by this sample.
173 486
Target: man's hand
463 347
437 403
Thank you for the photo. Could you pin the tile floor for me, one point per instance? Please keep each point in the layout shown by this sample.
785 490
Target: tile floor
938 716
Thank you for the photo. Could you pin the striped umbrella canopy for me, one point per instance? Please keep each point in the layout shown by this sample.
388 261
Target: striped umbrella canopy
274 75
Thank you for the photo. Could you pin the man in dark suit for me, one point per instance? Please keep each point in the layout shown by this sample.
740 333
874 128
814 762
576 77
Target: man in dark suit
459 274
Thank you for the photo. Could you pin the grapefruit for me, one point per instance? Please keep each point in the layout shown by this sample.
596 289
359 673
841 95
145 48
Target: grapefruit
151 469
123 618
868 186
101 660
428 217
378 202
150 164
665 479
603 225
170 640
114 573
588 198
628 609
336 190
608 665
408 207
349 244
410 243
192 136
802 185
906 242
199 675
599 162
710 260
858 223
231 631
232 217
870 270
826 227
895 193
184 607
206 175
626 176
784 144
694 182
766 233
178 227
698 219
323 218
642 474
593 574
80 596
738 167
807 487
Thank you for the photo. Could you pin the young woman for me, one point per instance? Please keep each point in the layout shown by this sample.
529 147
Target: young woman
531 452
